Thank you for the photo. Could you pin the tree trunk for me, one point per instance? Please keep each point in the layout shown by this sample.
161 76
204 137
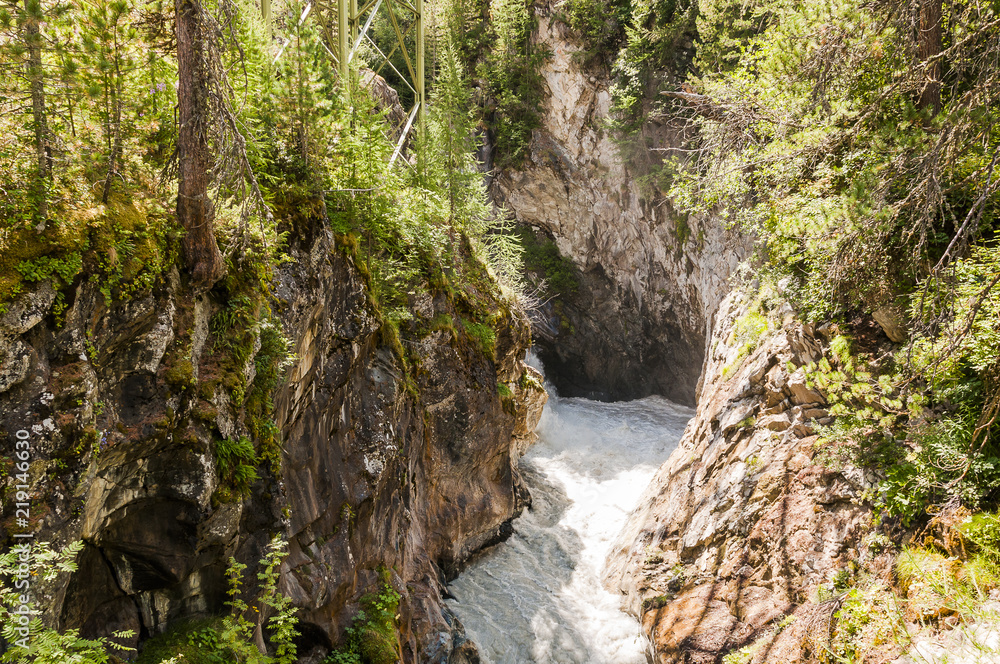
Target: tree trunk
116 145
929 45
194 209
113 160
33 37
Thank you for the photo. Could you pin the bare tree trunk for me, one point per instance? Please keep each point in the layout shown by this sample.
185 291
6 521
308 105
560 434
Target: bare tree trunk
929 45
115 152
194 209
33 37
117 142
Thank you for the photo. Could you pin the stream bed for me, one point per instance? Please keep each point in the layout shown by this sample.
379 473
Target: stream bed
538 596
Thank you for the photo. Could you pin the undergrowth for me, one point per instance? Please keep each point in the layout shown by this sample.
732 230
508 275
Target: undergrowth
372 637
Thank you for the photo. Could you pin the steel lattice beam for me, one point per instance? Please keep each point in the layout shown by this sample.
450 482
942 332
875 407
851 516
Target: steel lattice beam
350 34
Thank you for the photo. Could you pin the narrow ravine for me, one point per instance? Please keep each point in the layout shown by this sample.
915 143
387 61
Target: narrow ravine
538 597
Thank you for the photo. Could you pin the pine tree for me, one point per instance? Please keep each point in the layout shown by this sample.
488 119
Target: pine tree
929 46
453 145
33 17
194 207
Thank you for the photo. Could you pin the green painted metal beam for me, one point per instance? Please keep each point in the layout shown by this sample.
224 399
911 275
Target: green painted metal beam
419 82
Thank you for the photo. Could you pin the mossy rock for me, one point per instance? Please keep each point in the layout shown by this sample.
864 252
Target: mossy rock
180 375
205 412
483 337
198 642
377 646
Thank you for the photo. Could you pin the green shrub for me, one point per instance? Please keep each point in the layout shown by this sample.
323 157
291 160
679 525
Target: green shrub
937 464
197 642
35 643
483 336
236 461
511 70
230 638
983 531
601 23
372 637
869 618
651 57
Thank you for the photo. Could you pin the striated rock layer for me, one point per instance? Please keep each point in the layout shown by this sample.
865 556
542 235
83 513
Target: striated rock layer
742 524
125 402
650 279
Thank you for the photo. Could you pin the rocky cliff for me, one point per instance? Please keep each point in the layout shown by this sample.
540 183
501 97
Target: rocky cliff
650 279
743 524
385 464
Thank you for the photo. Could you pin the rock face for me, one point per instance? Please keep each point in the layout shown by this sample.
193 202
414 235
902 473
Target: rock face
742 524
379 469
650 279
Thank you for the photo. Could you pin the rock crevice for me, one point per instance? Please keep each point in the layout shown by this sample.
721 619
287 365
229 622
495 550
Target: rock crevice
650 279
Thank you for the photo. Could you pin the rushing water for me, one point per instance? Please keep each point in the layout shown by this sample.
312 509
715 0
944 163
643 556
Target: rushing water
538 597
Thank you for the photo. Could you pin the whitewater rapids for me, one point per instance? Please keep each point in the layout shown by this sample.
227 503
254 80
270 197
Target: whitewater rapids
537 598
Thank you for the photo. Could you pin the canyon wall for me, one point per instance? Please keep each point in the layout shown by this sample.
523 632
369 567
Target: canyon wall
384 468
744 524
650 279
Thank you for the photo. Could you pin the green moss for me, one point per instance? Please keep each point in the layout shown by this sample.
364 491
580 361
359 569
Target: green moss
181 374
527 381
205 412
27 256
269 365
131 249
377 646
748 330
681 229
442 323
122 248
483 336
372 637
389 336
206 389
235 383
196 642
657 602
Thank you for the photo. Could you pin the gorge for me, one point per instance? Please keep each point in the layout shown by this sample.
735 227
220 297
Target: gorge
624 332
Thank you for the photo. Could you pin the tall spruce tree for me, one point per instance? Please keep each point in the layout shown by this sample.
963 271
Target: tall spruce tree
194 206
452 143
33 17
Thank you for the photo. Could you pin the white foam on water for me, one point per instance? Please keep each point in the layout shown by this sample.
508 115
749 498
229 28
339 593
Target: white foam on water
538 597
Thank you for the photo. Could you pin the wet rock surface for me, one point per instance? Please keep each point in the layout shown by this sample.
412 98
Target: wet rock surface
125 403
743 523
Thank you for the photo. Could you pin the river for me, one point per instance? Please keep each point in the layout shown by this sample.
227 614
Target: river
538 597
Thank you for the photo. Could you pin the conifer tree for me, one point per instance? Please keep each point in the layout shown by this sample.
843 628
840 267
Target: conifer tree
928 47
194 207
453 127
32 18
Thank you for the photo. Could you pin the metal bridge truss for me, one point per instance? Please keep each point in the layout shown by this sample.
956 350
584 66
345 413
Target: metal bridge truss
346 27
